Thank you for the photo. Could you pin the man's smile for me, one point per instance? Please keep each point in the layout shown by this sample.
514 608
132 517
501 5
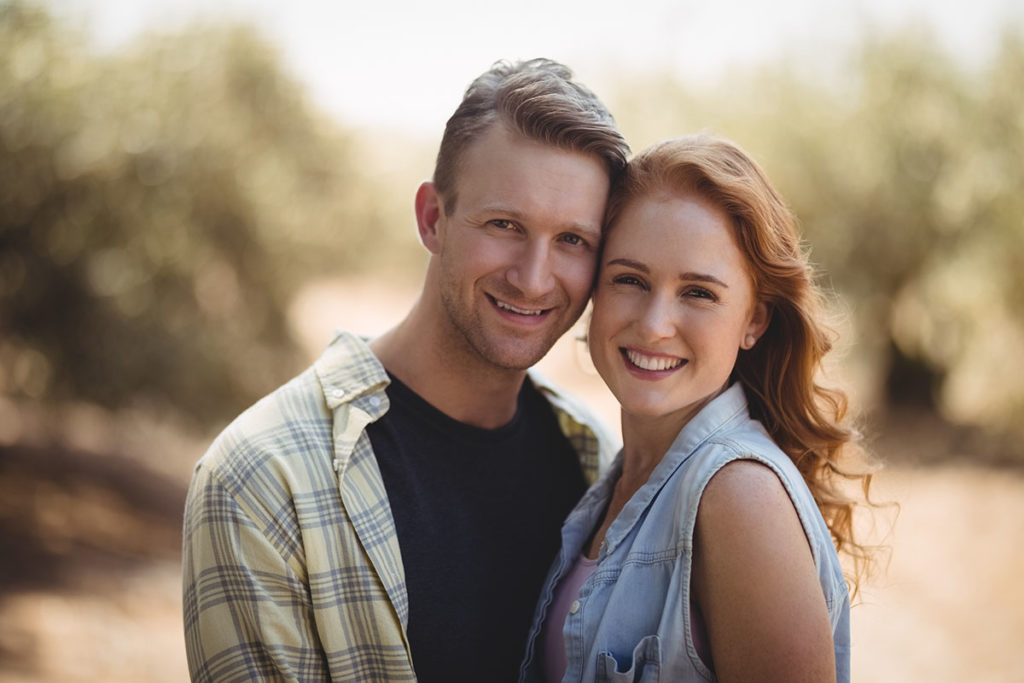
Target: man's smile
529 312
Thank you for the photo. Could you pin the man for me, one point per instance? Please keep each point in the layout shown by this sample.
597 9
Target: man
392 512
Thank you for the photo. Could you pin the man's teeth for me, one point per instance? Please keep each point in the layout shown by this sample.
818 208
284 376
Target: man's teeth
655 363
520 311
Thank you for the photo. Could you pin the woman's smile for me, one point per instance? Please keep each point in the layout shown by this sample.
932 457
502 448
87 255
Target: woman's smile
651 363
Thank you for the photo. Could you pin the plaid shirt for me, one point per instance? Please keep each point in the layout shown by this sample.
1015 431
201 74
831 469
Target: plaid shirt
291 564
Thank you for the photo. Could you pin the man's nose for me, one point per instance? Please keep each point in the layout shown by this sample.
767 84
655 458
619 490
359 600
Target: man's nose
532 272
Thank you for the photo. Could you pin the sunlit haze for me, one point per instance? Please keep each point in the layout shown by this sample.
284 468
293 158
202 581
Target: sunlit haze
195 194
405 65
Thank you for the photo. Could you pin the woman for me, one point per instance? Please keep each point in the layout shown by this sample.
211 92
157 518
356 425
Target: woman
708 551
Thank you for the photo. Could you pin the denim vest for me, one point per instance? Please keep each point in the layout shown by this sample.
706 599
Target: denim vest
632 619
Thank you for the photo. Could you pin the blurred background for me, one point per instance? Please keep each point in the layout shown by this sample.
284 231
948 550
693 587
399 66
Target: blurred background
191 200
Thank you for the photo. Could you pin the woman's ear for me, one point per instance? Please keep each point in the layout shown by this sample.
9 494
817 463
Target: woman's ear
760 317
429 212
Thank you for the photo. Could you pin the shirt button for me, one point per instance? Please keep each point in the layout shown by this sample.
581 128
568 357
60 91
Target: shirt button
337 393
375 401
574 607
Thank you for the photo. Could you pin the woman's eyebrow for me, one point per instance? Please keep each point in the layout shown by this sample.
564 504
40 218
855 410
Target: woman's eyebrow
702 277
685 277
630 263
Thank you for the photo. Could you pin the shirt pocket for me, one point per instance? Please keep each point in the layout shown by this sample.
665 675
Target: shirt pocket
644 666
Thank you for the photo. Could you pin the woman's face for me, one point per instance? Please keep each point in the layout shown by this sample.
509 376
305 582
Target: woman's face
673 305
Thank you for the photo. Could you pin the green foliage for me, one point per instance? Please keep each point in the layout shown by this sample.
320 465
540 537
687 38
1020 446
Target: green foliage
905 169
158 208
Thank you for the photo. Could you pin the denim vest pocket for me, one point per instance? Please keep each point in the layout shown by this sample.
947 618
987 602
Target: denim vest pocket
643 667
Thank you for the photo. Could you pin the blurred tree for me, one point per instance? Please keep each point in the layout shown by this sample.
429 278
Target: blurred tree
929 214
905 169
158 208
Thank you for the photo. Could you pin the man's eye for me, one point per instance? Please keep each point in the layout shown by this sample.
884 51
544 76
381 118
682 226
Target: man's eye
502 224
572 239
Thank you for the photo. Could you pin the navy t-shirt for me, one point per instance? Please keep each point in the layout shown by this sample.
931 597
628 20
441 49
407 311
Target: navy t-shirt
478 514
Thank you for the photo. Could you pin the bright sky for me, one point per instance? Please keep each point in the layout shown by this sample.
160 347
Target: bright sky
405 64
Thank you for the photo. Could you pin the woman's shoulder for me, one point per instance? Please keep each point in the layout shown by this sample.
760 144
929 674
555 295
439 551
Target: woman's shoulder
747 491
741 440
760 491
746 440
744 469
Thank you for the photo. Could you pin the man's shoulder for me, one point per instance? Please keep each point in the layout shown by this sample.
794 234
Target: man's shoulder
295 421
565 402
348 369
279 424
578 421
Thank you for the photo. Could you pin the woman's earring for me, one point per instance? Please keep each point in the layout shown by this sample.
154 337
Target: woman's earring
749 341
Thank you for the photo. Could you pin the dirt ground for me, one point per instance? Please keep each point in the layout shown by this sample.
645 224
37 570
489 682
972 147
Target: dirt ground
89 547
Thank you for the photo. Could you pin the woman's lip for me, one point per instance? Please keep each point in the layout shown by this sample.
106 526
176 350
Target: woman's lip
647 362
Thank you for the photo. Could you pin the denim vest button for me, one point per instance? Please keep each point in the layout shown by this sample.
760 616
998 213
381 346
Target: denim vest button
574 607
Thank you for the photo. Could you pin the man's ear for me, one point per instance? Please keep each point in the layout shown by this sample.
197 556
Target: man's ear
429 211
759 320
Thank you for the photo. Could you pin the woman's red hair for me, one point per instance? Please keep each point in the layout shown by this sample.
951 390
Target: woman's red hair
781 373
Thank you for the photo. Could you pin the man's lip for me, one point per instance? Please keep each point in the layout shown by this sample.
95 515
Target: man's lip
520 312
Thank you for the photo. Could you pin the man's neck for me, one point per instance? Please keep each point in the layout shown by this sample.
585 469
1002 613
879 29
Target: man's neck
446 374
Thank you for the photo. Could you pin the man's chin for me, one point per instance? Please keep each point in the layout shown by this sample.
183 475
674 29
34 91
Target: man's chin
514 356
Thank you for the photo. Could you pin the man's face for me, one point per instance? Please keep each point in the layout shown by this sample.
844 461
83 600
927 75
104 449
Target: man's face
518 252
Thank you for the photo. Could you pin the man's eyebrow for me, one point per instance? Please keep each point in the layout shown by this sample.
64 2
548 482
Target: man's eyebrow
502 209
685 277
593 232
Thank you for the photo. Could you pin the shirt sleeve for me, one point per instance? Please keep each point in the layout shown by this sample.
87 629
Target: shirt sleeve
594 443
247 609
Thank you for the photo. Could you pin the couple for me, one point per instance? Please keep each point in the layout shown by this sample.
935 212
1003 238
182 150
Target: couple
417 505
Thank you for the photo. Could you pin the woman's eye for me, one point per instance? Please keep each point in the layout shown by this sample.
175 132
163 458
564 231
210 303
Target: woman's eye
700 293
628 280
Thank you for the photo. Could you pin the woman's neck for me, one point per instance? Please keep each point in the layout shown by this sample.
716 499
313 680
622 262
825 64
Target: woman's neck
645 441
